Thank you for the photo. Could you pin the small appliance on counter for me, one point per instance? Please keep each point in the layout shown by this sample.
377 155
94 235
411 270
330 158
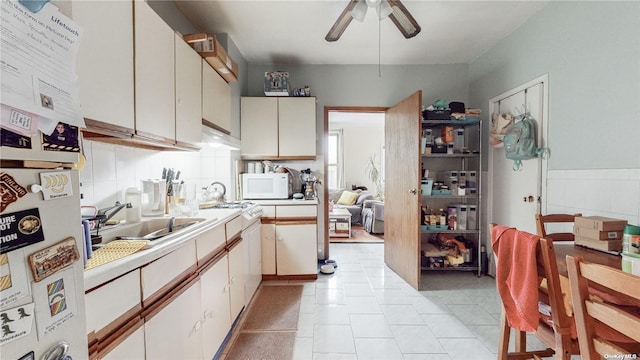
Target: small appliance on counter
308 184
265 186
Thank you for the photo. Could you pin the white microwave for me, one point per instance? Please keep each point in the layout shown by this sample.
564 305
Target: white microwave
265 186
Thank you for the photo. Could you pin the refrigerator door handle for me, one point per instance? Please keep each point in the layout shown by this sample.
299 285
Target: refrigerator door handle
57 352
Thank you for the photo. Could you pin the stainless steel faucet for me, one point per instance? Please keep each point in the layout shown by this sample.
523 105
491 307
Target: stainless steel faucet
106 214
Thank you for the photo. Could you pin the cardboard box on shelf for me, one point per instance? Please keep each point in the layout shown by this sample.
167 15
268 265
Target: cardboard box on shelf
605 245
209 48
597 234
600 223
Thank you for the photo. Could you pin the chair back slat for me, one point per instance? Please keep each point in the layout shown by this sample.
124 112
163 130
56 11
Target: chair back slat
607 319
543 220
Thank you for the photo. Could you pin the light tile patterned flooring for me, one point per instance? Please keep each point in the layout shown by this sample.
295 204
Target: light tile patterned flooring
365 311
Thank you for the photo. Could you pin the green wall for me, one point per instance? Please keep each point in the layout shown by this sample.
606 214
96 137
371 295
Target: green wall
591 51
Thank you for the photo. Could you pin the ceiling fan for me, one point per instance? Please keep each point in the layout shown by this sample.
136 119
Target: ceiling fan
357 9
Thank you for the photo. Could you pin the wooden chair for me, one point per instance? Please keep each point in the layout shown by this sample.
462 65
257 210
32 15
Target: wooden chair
596 318
543 220
553 331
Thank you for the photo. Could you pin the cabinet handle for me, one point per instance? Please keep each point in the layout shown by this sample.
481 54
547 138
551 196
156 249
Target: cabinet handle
233 280
208 315
195 328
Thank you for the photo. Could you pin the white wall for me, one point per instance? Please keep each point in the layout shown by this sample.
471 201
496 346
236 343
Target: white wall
360 142
603 192
111 169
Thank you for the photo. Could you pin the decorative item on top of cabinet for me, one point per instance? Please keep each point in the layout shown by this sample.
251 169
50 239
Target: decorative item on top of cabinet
451 167
278 128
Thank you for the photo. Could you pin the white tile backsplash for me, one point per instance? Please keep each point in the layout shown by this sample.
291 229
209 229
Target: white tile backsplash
110 169
598 192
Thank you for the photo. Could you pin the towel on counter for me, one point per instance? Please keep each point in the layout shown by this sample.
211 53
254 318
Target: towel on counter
517 275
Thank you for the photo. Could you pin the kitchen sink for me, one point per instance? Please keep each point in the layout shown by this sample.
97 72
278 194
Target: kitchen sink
153 229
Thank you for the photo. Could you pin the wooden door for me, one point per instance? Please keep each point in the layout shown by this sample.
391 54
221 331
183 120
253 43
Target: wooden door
516 196
402 184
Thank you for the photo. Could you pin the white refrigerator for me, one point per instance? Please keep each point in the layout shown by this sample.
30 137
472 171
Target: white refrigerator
42 308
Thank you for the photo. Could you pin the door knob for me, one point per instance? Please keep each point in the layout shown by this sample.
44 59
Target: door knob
413 191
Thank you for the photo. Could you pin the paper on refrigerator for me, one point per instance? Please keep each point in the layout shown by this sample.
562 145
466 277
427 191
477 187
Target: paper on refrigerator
38 69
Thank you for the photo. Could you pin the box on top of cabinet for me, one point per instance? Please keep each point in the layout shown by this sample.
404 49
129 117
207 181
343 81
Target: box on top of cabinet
209 48
600 223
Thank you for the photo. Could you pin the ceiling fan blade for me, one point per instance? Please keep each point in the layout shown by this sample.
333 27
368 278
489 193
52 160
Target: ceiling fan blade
403 19
341 24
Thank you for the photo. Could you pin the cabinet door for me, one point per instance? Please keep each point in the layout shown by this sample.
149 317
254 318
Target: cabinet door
174 332
161 275
188 93
130 346
216 98
105 61
111 305
154 74
216 316
297 126
268 248
296 249
259 126
236 279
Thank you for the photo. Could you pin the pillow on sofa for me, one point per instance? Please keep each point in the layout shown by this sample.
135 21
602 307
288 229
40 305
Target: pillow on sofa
348 198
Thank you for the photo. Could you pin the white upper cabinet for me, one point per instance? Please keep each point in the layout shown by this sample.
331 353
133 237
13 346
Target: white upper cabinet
259 126
188 93
282 127
105 61
154 73
216 98
297 126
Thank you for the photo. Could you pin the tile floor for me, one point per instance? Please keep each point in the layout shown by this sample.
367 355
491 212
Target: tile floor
365 311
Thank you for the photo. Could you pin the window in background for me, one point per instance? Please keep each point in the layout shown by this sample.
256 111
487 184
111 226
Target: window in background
335 160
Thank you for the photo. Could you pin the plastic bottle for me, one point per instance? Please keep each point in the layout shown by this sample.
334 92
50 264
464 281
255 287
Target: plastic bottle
133 210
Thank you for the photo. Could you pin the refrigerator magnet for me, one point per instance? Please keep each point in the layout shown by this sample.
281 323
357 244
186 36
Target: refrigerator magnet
56 257
10 190
16 323
14 278
54 185
20 229
55 301
64 138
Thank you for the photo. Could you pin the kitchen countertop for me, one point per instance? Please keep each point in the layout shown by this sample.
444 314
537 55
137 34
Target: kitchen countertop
285 202
104 273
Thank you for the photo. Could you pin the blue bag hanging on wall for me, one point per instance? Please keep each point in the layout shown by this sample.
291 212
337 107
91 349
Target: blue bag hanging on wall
520 141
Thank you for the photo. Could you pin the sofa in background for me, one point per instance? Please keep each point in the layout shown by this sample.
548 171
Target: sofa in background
373 216
354 208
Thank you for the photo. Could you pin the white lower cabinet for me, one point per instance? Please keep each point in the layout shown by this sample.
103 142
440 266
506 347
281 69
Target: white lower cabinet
289 240
174 332
131 345
216 315
268 244
296 249
236 279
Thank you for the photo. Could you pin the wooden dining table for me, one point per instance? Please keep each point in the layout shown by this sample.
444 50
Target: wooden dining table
562 249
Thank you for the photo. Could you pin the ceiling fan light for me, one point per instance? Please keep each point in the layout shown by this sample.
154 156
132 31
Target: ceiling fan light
384 10
373 3
359 11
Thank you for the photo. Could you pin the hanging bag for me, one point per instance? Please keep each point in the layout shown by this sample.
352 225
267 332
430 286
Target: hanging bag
520 141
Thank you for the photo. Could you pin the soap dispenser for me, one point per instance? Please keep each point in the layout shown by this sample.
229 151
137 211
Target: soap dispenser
133 199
